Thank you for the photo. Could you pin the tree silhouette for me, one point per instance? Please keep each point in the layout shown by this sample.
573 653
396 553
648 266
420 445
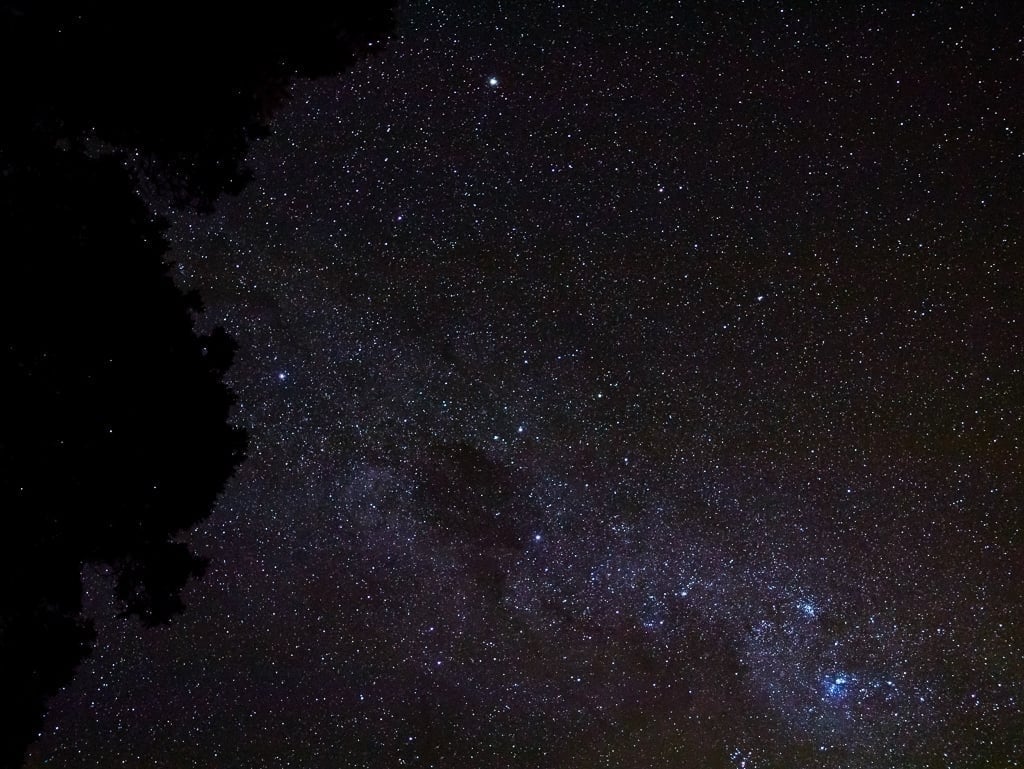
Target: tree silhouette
114 434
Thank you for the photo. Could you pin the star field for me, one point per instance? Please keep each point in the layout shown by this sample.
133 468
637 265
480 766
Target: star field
627 387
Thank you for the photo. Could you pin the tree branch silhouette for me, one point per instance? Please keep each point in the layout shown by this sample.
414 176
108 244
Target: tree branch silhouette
115 436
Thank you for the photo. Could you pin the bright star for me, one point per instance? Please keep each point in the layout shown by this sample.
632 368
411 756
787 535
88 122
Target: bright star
492 82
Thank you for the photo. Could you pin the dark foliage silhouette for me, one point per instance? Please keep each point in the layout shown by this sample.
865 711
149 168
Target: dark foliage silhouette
179 89
114 433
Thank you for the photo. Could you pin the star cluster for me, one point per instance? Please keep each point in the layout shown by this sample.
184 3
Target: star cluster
628 387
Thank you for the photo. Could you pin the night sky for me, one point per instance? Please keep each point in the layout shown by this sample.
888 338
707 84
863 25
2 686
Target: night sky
629 385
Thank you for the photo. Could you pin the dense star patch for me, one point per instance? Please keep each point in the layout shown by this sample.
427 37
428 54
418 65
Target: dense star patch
628 386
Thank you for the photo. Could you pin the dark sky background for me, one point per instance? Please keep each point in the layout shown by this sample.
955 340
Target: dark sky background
629 385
